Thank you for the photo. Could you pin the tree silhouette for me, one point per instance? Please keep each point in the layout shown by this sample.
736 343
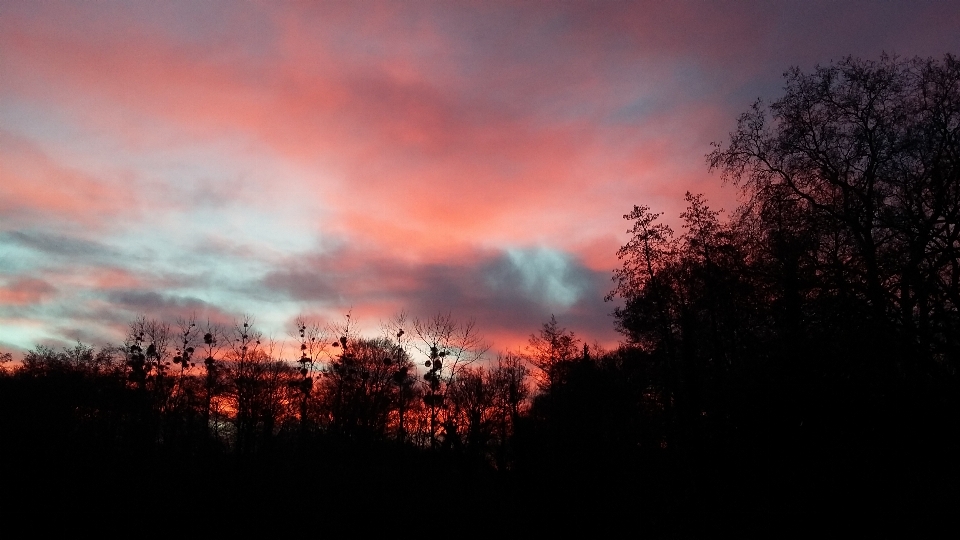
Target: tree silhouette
212 350
404 373
550 349
312 339
868 150
360 384
646 256
5 358
257 386
449 346
826 299
486 405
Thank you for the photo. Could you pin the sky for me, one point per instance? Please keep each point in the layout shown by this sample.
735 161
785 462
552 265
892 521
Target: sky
279 159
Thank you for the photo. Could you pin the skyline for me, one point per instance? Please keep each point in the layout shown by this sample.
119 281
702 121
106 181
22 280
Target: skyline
289 160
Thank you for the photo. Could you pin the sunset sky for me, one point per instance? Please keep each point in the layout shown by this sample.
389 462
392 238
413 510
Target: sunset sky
288 158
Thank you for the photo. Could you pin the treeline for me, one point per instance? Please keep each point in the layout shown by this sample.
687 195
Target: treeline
202 406
797 354
200 387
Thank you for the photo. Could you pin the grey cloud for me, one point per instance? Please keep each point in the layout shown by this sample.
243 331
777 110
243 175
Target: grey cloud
161 306
54 244
151 301
507 290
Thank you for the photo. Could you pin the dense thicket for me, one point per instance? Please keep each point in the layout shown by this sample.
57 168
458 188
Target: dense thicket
799 352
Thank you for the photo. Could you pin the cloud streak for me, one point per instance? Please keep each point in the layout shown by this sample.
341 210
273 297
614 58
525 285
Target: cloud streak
471 157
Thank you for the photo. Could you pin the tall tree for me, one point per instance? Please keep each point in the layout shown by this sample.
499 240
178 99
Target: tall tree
551 349
449 346
871 150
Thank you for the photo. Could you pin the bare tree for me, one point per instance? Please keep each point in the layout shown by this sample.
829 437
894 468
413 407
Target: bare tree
869 150
449 347
360 383
404 376
244 361
212 351
313 341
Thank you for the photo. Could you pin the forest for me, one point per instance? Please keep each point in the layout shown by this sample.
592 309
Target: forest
793 355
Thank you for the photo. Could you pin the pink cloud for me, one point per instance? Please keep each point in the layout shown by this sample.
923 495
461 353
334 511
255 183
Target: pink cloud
25 291
38 189
434 136
380 128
